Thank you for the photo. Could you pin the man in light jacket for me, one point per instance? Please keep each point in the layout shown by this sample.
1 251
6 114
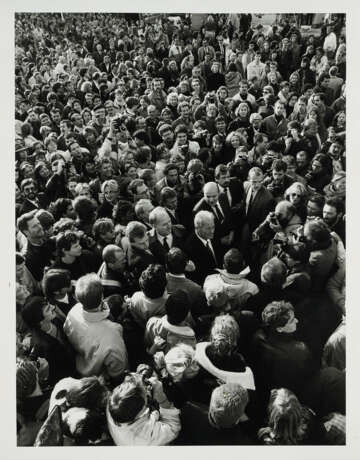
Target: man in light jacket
131 419
98 342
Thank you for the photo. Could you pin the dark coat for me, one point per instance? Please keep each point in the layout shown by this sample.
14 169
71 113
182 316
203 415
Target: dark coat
60 357
260 207
196 429
202 257
158 249
222 227
280 361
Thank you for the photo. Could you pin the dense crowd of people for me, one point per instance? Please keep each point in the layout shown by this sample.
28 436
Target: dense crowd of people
180 230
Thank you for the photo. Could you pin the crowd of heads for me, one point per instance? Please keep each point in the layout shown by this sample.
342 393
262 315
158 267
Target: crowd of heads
180 229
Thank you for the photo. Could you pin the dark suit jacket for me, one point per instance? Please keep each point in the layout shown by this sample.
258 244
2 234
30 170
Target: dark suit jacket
27 206
223 227
260 207
158 249
202 258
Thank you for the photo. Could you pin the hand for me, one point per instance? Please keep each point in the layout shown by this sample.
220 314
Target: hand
190 266
159 342
276 227
158 391
43 369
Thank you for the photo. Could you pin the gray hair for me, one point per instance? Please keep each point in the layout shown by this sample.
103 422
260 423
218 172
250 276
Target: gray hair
203 217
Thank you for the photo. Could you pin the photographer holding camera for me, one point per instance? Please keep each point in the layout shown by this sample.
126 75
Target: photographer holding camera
130 419
278 227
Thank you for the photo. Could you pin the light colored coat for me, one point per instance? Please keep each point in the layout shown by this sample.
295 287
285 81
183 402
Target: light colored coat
98 342
155 428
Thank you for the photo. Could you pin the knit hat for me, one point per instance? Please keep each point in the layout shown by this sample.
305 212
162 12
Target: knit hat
227 405
26 373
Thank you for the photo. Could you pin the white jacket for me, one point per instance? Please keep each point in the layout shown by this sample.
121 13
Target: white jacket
98 342
156 428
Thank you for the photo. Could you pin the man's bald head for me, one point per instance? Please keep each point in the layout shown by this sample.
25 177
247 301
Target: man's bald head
284 211
211 193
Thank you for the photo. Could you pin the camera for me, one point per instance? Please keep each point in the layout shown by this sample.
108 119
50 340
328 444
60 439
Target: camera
273 219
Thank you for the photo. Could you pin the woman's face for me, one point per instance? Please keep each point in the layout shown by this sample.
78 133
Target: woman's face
217 146
341 119
243 110
316 166
295 197
132 172
292 101
28 171
87 117
235 142
313 115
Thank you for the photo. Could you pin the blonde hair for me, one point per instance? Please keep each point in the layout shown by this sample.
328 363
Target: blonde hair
286 415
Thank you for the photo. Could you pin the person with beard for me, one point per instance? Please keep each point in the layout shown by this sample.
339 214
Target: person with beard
111 272
280 224
275 125
318 176
333 216
302 163
315 206
30 201
279 180
38 253
171 179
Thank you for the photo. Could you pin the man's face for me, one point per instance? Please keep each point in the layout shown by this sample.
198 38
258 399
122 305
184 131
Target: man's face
142 192
243 89
106 170
335 150
329 214
171 203
224 179
279 109
211 196
110 194
29 191
35 230
75 250
76 151
181 138
313 210
120 262
185 110
163 225
77 120
141 243
255 181
56 117
207 230
278 176
220 126
146 212
172 177
301 159
167 136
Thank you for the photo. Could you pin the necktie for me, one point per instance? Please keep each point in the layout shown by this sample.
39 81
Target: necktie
220 215
251 199
165 244
228 194
211 251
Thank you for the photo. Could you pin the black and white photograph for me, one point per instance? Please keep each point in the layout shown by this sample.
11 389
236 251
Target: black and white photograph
180 237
